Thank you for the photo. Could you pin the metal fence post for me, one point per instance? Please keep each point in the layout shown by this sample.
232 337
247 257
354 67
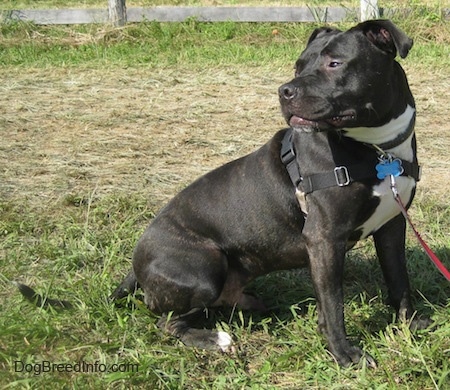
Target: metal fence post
117 12
369 10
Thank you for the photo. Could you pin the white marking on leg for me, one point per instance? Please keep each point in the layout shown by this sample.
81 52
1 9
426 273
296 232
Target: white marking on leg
224 341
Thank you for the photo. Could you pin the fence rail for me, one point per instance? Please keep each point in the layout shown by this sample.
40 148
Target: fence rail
205 14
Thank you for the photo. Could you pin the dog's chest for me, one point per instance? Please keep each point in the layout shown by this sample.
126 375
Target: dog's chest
388 208
386 205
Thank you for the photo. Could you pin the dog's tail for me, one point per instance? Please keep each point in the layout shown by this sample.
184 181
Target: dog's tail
39 300
128 286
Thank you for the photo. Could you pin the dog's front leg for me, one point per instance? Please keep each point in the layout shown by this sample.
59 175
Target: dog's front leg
327 253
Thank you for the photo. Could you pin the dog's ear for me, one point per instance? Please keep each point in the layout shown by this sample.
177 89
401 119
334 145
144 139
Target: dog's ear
318 32
386 36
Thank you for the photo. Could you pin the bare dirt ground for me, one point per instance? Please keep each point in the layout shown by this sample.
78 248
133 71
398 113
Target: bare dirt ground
73 132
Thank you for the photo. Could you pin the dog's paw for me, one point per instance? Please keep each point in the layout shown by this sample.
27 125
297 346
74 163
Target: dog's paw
420 323
414 321
224 341
207 339
354 356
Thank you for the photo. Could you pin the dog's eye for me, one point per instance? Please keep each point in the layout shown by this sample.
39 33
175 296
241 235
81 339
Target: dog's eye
334 64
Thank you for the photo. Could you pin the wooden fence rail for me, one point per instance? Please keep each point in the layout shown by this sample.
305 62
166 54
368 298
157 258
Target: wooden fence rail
205 14
179 14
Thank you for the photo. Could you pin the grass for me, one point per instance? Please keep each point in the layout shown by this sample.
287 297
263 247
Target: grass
76 255
101 126
153 43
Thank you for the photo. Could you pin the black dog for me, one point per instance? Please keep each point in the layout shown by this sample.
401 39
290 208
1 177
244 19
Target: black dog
301 200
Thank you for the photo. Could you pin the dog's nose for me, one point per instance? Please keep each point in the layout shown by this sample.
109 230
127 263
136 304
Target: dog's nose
287 91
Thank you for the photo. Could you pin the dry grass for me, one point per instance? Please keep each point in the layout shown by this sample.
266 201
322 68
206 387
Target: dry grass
127 130
67 132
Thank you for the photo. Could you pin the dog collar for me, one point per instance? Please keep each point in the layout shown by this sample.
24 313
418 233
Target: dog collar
387 136
340 176
402 137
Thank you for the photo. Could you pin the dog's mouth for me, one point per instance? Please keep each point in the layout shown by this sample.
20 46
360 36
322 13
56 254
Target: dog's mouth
334 122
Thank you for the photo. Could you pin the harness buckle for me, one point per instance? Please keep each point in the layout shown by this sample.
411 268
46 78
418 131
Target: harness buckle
342 177
287 152
287 156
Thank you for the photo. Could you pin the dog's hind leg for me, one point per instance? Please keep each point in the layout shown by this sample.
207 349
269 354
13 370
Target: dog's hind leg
128 286
183 281
180 326
183 326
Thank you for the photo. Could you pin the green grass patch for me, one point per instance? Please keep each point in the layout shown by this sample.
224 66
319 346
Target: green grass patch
77 256
147 44
190 43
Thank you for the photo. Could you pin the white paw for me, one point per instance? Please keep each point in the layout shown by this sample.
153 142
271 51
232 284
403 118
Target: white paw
224 341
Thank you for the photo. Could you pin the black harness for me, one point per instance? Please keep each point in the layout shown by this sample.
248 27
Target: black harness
340 176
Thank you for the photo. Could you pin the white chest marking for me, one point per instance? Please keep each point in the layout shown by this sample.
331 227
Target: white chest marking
388 207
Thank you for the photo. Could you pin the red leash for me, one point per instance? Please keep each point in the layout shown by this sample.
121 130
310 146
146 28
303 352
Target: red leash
435 260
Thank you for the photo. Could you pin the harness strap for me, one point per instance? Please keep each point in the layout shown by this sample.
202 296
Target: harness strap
287 155
341 176
344 175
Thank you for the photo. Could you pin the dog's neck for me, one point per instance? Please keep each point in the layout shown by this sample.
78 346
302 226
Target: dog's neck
388 136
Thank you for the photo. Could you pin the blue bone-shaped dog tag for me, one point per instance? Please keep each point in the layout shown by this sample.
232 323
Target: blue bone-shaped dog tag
389 168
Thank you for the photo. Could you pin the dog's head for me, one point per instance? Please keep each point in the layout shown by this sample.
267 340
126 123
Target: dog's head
346 79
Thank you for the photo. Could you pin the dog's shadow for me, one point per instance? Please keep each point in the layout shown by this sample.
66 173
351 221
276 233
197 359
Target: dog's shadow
290 294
